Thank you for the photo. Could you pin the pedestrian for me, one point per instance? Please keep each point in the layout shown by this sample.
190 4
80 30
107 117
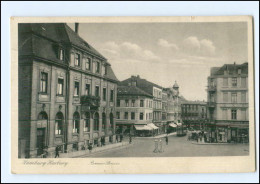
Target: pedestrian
90 147
166 140
121 137
160 147
116 138
57 152
130 139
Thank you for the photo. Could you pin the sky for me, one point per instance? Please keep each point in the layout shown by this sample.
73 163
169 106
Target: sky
167 52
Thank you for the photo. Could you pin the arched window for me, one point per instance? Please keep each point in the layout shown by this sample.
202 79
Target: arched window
96 121
103 121
87 122
76 119
112 121
43 115
58 123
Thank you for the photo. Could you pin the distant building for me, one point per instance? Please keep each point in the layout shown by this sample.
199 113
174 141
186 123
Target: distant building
67 91
134 111
154 90
228 102
194 114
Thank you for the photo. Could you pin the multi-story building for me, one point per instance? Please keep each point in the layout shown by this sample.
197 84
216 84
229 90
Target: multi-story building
67 91
194 114
174 101
134 111
154 90
228 102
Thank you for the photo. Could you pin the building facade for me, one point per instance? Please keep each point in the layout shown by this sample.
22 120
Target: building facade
228 103
134 111
194 114
154 90
67 91
174 101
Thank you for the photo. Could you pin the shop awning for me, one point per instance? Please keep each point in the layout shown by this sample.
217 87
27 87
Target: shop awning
143 127
152 126
173 125
179 124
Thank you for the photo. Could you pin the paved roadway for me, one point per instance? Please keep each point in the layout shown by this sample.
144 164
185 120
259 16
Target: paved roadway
177 147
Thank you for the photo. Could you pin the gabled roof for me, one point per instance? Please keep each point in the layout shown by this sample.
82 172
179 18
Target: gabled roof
132 91
143 84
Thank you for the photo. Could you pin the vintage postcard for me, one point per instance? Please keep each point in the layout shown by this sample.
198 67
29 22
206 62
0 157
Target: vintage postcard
132 95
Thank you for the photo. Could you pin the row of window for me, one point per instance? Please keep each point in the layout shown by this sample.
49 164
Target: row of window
88 62
234 82
141 115
60 88
132 103
86 124
234 114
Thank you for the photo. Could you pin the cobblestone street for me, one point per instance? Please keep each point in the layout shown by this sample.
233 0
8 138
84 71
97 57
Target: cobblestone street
177 147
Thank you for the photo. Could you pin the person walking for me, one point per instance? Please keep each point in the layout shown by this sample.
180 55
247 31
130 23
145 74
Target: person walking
90 147
57 151
130 139
116 138
166 140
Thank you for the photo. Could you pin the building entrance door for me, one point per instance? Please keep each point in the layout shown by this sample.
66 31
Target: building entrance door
40 140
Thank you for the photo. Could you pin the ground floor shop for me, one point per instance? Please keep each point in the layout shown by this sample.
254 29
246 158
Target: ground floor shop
231 133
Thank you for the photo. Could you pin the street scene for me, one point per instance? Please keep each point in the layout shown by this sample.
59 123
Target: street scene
176 147
133 90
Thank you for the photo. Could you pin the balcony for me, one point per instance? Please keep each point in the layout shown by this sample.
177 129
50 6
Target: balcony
91 101
212 88
211 104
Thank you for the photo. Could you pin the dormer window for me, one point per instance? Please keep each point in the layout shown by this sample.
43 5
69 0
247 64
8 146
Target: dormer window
77 59
61 54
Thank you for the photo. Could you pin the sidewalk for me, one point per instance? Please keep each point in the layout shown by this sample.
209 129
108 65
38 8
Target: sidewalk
156 137
94 150
219 143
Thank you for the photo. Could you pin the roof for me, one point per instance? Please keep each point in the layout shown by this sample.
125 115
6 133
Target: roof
143 84
232 69
132 90
43 39
78 41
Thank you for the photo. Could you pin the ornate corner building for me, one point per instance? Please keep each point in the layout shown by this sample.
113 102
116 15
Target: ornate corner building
67 91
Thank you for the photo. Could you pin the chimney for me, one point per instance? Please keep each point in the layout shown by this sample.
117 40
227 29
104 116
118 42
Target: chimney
76 28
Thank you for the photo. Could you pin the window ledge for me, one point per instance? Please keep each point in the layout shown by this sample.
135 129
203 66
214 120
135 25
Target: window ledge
75 134
43 93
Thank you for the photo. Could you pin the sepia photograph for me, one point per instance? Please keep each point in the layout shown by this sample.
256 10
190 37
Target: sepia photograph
124 89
